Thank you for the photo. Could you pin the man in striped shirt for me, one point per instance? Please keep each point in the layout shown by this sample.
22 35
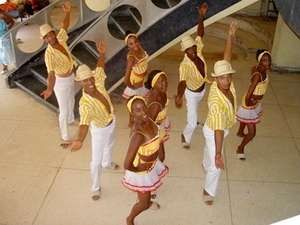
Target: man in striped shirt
220 118
192 76
97 114
60 79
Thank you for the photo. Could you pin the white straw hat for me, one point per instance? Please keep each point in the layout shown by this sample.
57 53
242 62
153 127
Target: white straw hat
187 42
83 72
222 67
45 29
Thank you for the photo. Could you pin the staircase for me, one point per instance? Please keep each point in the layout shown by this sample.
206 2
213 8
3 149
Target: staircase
158 29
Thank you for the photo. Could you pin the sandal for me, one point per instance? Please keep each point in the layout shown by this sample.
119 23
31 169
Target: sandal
208 200
113 166
240 156
96 195
65 144
154 205
185 145
4 70
153 194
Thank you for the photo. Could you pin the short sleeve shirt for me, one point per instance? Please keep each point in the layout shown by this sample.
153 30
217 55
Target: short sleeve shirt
188 71
221 113
91 109
57 61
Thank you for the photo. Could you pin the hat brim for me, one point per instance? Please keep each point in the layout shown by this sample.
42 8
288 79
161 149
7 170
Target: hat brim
85 77
188 46
223 73
42 36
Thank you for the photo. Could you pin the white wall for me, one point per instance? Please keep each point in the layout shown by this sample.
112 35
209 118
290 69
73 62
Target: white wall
252 10
285 51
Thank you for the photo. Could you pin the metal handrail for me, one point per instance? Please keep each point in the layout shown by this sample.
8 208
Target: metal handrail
86 15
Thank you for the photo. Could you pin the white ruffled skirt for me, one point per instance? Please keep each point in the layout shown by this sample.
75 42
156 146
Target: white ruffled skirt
142 91
145 182
249 115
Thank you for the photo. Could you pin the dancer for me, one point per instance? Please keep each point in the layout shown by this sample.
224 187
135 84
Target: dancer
143 170
250 111
136 69
220 118
97 114
193 76
157 103
60 79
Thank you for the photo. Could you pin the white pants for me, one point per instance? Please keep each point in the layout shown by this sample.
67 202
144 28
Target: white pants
64 91
103 141
213 173
192 103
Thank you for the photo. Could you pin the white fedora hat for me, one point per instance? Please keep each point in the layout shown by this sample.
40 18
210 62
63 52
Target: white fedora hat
45 29
222 67
187 42
83 72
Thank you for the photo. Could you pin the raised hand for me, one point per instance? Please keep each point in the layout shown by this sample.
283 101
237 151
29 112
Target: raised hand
203 9
233 27
101 47
67 6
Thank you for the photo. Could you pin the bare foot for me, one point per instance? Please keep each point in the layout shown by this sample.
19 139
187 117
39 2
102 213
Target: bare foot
129 222
65 144
207 199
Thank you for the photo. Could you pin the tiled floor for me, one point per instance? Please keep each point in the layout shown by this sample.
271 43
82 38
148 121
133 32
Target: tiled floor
41 184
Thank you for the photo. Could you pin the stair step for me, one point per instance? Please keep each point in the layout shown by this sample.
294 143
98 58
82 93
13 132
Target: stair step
84 53
34 87
40 72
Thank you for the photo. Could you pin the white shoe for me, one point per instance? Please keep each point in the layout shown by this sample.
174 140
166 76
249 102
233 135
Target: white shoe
3 72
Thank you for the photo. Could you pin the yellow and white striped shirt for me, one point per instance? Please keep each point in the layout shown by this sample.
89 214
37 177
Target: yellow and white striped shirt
189 72
91 109
221 113
57 61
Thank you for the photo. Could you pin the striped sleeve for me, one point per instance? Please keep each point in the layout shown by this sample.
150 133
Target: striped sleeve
183 71
217 117
85 114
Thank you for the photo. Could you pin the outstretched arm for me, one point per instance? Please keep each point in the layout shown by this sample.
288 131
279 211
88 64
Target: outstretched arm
66 20
202 11
101 47
219 139
81 134
180 91
228 47
50 85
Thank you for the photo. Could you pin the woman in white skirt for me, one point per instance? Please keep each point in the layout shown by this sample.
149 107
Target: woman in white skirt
157 103
136 69
250 110
143 170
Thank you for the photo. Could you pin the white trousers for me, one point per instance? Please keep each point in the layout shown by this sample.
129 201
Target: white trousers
64 91
213 173
192 103
103 142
